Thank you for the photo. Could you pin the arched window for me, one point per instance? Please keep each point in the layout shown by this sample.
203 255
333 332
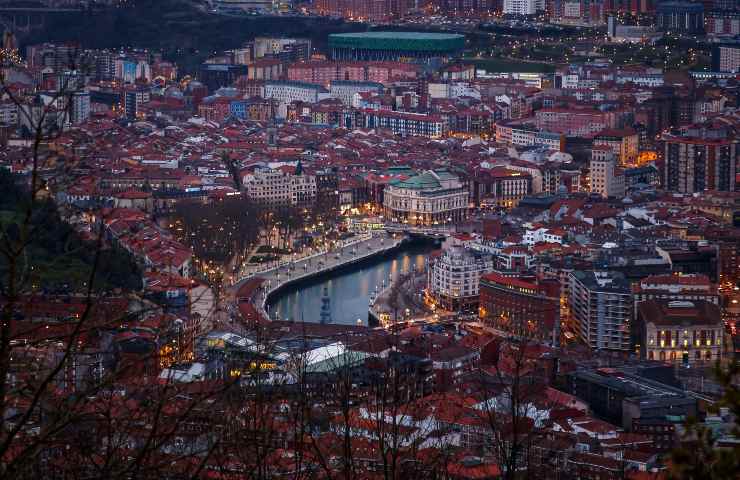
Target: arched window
662 355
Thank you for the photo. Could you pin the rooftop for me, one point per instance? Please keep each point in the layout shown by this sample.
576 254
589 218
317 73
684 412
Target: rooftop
428 180
399 36
399 41
677 313
603 281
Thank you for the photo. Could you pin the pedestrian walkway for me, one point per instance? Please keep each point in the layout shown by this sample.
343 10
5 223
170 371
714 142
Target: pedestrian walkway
302 258
407 307
351 251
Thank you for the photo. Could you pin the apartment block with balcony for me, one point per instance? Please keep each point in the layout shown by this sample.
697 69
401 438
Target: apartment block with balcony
601 307
453 278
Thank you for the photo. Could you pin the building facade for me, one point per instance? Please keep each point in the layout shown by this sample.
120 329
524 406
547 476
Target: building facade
679 331
499 186
362 10
607 178
453 278
133 98
345 90
80 111
699 158
431 198
726 58
519 307
285 92
624 143
680 17
688 288
278 187
406 123
601 306
574 123
523 7
215 75
722 23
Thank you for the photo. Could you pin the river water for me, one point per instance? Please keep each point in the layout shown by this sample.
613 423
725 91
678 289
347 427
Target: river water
349 290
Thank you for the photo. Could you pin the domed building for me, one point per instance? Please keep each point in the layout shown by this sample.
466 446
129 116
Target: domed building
434 197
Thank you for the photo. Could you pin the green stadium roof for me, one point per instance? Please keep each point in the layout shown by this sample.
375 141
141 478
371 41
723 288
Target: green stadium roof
405 41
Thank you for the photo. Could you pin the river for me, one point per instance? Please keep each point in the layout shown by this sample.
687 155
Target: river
349 290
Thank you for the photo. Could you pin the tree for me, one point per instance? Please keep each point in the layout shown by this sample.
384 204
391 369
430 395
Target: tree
513 407
699 456
233 168
70 407
289 221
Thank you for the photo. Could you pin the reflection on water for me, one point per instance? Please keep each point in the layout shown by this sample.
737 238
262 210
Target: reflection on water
349 290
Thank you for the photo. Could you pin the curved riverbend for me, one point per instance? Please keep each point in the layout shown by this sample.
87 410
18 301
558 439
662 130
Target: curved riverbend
349 288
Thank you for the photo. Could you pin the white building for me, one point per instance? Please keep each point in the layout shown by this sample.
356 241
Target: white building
453 278
464 89
523 7
651 77
431 198
287 91
607 179
345 90
541 234
438 90
453 90
8 113
728 58
80 108
278 186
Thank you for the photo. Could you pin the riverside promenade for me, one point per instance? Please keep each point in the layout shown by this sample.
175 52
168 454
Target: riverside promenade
353 250
408 303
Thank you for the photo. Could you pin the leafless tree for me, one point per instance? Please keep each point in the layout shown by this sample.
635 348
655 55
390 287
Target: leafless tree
512 406
68 408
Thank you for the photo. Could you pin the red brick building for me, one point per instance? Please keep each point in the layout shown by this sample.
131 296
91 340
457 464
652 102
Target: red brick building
323 72
519 307
585 123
